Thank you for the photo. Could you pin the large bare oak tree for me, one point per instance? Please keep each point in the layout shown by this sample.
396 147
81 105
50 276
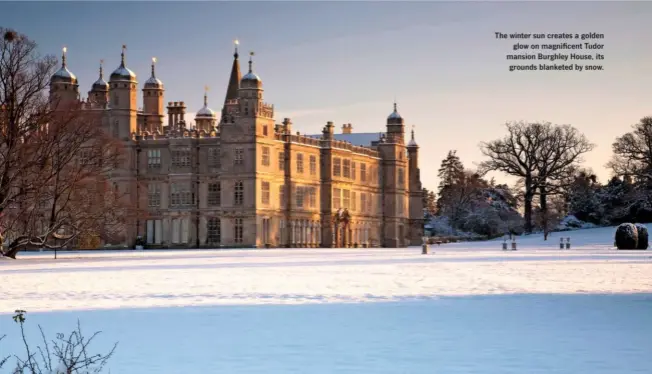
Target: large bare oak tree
541 155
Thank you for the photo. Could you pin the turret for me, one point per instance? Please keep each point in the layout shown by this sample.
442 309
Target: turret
206 118
64 88
395 127
153 106
416 192
99 93
250 94
123 86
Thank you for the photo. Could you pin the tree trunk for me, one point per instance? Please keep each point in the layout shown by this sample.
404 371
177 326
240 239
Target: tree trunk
543 197
527 205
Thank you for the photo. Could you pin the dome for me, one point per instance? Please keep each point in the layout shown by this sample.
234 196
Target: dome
394 115
412 142
154 82
100 84
251 77
122 73
63 75
205 111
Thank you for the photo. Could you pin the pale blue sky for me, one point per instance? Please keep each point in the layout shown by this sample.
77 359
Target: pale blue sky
345 62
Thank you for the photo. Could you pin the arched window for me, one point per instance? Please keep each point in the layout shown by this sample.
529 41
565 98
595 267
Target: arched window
238 197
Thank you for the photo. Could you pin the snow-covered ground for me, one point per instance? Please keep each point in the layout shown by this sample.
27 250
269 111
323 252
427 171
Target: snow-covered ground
467 308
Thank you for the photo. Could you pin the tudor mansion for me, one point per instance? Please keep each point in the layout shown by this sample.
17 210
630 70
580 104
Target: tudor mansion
237 178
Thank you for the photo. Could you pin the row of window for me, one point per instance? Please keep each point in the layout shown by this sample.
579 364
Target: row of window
180 231
346 168
181 195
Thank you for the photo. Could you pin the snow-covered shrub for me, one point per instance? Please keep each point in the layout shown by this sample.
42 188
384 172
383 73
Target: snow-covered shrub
642 236
626 236
571 222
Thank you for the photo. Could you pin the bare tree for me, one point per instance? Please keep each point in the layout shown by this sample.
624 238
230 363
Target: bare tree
633 152
515 155
55 159
542 155
64 355
557 162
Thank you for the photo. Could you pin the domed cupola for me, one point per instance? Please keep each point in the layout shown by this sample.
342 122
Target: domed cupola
251 80
153 82
205 112
100 84
395 117
64 75
122 73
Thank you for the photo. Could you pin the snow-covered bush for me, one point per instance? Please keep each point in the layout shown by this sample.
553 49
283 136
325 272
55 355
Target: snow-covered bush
626 236
571 222
642 236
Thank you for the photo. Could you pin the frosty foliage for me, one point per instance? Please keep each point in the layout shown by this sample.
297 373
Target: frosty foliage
626 236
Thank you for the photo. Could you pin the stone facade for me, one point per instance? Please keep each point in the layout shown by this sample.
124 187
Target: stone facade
239 179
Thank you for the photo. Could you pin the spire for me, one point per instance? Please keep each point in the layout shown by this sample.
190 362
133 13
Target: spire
63 58
251 56
412 143
395 110
101 70
234 80
153 64
206 96
122 56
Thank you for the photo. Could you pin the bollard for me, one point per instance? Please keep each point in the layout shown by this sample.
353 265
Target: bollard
424 246
505 244
514 244
561 243
568 243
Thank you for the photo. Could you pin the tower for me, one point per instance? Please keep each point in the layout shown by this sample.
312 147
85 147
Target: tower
99 93
255 116
206 118
230 108
394 183
64 88
153 108
395 127
416 219
123 86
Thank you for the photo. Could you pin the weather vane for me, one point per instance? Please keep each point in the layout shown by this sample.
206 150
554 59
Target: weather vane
206 88
154 60
65 49
251 53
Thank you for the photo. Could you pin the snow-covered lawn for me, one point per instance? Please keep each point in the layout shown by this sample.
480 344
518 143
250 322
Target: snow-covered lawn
467 308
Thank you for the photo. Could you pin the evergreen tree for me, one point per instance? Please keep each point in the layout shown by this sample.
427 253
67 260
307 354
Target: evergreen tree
450 174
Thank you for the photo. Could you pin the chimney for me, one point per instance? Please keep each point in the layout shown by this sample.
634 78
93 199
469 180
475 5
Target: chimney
347 128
